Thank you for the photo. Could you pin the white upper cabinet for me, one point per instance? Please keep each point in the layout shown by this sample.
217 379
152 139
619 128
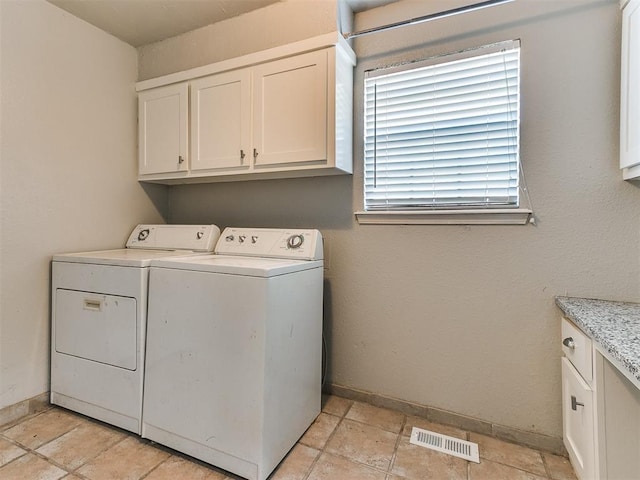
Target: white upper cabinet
220 121
163 130
285 112
630 91
290 110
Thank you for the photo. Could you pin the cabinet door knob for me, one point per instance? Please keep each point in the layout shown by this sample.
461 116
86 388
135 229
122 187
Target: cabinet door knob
180 159
575 403
255 153
569 343
242 155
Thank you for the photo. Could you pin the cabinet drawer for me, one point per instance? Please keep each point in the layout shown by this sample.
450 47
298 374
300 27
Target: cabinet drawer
577 348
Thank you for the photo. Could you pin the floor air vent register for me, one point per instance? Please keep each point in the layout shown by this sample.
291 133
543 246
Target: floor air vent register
445 444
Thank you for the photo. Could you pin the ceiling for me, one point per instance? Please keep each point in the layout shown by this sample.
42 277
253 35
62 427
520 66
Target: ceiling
140 22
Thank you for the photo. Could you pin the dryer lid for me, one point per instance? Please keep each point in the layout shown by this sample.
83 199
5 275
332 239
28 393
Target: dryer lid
123 257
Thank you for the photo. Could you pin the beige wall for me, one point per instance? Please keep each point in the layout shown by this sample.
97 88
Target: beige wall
461 317
277 24
68 170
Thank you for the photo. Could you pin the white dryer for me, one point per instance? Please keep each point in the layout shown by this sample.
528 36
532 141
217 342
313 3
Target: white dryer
233 367
98 320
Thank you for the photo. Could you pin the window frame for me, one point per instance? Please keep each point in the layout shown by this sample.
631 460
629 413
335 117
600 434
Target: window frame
519 214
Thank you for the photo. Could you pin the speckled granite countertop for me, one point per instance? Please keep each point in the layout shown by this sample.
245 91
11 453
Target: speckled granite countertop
613 326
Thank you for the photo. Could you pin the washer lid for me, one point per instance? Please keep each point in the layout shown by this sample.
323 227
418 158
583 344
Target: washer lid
124 257
236 265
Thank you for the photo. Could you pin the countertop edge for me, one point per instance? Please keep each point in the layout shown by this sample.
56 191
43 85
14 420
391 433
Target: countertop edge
608 324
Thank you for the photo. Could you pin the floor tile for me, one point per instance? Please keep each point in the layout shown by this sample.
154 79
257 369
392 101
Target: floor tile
377 417
30 467
363 444
43 428
559 468
83 443
128 460
487 469
320 430
178 468
434 427
8 451
419 463
347 441
332 467
335 405
297 463
509 454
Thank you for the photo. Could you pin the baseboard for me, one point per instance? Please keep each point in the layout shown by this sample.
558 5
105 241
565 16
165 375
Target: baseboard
26 407
530 439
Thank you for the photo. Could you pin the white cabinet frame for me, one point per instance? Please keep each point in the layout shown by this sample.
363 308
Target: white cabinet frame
163 123
279 113
630 91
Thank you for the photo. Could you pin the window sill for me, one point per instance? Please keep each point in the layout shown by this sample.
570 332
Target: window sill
511 216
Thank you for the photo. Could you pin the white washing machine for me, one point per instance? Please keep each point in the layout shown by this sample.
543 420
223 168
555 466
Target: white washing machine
98 320
233 366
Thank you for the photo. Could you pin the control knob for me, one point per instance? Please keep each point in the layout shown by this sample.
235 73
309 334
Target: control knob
295 241
142 236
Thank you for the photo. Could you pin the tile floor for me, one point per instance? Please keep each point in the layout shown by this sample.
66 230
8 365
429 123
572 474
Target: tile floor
349 440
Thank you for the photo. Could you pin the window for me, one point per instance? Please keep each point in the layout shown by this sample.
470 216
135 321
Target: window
442 138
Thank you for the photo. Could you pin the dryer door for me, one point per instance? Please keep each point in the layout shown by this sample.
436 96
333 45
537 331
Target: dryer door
96 327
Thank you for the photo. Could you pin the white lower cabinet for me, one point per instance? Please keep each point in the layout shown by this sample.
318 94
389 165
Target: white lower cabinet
619 421
578 401
600 411
578 421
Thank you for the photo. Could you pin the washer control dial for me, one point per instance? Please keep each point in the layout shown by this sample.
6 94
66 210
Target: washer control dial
295 241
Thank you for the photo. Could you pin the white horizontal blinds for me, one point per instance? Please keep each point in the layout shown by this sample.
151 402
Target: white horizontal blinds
445 134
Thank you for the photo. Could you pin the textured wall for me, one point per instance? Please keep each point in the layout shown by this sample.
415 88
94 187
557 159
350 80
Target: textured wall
462 317
68 171
271 26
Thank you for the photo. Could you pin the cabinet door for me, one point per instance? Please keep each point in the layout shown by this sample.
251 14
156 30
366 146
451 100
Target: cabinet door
620 420
220 121
290 110
163 129
578 424
630 86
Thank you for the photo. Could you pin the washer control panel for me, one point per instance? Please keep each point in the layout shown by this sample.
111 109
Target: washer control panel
198 238
304 244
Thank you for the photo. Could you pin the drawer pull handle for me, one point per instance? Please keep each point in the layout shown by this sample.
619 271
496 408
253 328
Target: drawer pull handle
569 343
575 403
